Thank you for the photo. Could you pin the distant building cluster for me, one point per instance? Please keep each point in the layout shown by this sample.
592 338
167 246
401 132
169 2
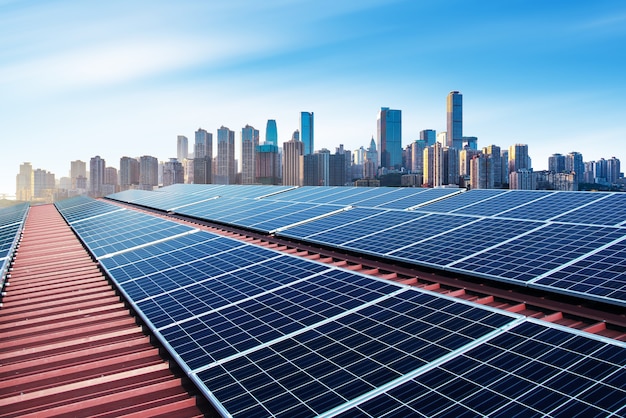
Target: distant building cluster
435 159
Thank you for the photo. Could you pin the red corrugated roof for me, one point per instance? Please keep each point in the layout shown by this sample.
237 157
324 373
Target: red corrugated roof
68 346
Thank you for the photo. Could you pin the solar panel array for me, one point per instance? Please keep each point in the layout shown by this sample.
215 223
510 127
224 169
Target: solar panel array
529 238
11 224
262 333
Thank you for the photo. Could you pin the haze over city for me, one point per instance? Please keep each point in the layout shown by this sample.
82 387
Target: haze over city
116 79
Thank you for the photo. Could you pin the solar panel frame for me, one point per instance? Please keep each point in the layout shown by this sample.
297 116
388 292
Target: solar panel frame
502 202
553 205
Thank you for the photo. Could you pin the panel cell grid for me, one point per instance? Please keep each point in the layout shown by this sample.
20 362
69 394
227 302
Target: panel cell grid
601 276
245 325
325 367
539 252
219 290
609 211
462 242
417 198
502 202
391 239
329 222
460 200
531 370
553 205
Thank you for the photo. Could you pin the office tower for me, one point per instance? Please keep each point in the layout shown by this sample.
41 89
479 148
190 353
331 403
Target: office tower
470 142
348 160
96 176
599 171
202 170
556 163
307 132
499 166
417 156
203 145
267 164
317 168
24 183
450 165
293 164
182 147
574 164
296 135
337 170
589 171
111 182
442 138
43 185
249 143
389 139
455 120
148 172
465 161
434 165
173 172
504 158
226 168
129 173
429 135
612 170
518 158
271 133
482 171
523 179
78 169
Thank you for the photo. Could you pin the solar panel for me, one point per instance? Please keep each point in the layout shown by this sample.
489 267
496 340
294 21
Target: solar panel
533 369
610 210
461 200
538 252
600 276
552 205
502 202
419 197
81 208
452 246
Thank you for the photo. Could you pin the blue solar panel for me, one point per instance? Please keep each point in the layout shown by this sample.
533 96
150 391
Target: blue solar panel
452 246
383 241
539 252
419 197
610 210
80 208
458 201
553 205
502 202
531 370
601 276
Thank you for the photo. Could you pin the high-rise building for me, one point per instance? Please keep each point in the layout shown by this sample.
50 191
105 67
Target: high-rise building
465 161
293 164
173 172
481 171
500 171
574 164
267 163
129 173
455 120
429 135
442 138
24 183
556 163
518 158
202 170
317 168
249 144
612 170
43 185
307 132
417 156
182 148
148 172
226 168
389 138
450 165
434 165
470 142
96 176
271 133
203 145
78 169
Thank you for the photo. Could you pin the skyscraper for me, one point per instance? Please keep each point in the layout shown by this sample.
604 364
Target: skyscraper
182 147
173 172
556 163
428 135
307 132
293 165
389 139
249 144
204 144
96 176
496 161
226 169
574 164
455 120
518 158
271 133
78 169
129 172
148 172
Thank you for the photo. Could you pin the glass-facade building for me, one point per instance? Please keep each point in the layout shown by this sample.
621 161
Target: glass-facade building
389 143
271 133
306 132
455 120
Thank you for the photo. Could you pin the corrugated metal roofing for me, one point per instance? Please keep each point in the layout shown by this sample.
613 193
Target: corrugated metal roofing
68 345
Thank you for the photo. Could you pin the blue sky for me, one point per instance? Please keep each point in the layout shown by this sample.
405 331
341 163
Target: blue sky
124 78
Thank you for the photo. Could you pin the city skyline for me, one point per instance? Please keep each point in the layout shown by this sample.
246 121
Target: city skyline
125 80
